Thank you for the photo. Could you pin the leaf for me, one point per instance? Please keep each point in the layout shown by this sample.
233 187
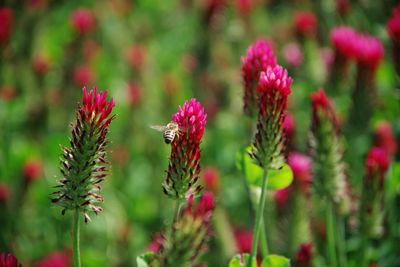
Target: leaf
277 179
275 261
146 260
241 260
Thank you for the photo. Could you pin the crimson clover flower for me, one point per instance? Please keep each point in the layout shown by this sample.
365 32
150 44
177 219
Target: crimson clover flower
325 140
376 165
305 23
304 255
268 145
8 260
83 164
184 165
189 234
385 139
83 21
260 56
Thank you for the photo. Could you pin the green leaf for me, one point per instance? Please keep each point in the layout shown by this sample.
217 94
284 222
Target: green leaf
277 179
146 260
241 260
275 261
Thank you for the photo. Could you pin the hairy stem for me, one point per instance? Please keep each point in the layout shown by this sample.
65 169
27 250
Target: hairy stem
259 218
75 233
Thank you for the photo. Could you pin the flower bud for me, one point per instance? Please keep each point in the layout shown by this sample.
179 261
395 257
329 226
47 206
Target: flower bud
8 260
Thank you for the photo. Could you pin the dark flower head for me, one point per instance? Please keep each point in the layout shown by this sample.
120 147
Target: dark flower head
32 170
211 181
260 56
84 165
243 239
282 196
184 166
385 139
6 25
8 260
393 25
268 146
305 254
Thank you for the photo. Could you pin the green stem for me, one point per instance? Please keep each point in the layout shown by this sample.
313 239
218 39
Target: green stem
331 235
259 218
77 254
341 245
178 206
263 241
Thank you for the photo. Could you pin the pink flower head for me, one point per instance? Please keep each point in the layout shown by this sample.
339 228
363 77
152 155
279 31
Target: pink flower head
260 56
204 208
95 106
322 108
83 75
384 138
6 25
293 55
273 88
305 23
211 179
56 259
83 21
305 254
192 120
377 162
41 65
184 166
282 197
244 239
4 193
302 168
343 39
136 56
156 244
134 94
8 260
32 170
369 51
393 25
275 80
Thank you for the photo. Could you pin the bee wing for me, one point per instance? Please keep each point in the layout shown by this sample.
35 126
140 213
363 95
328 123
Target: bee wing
160 128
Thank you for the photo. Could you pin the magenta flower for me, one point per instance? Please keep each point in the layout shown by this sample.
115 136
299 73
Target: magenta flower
184 165
210 179
243 239
343 39
293 55
8 260
302 171
84 164
260 56
385 139
377 163
83 75
83 21
32 170
305 23
56 259
369 51
6 25
268 146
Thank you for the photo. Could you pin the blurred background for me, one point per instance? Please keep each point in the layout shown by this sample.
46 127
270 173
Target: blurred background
152 56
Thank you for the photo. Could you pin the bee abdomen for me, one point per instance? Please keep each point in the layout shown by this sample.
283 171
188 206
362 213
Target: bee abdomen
169 136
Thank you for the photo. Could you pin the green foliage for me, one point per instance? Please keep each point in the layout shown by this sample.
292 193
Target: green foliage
277 179
275 261
241 261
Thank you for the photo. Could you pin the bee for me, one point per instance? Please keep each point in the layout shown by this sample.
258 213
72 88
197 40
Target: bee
170 131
